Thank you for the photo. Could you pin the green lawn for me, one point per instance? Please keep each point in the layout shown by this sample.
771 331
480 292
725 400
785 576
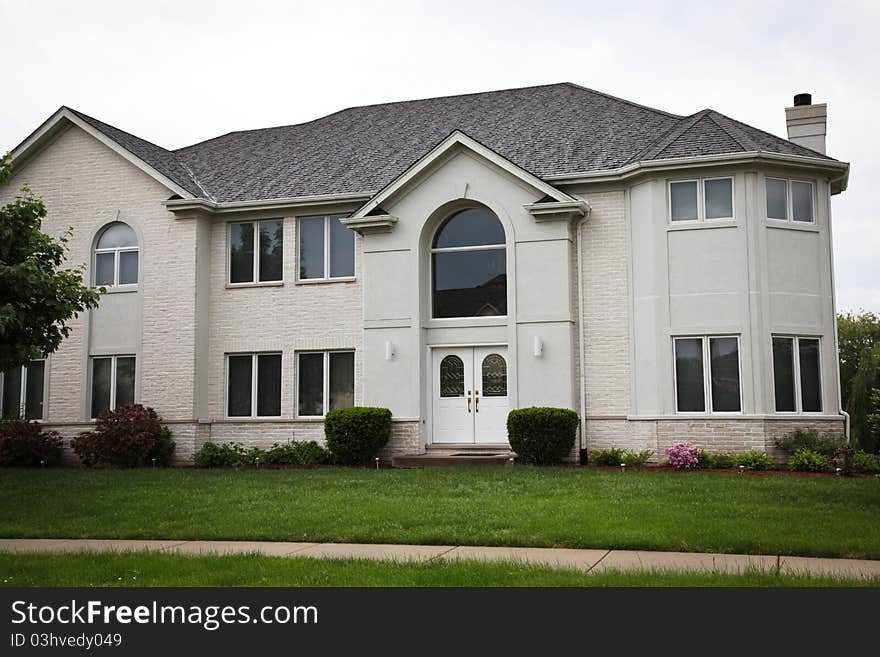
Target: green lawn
156 569
524 506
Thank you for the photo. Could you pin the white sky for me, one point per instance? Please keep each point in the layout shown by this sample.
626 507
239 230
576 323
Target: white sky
178 72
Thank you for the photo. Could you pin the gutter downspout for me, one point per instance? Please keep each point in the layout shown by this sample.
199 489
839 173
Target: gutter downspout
845 415
582 351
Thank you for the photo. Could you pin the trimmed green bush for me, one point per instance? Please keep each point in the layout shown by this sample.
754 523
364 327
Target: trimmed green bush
864 463
606 457
236 455
808 460
825 444
716 461
355 435
542 435
755 460
221 455
25 444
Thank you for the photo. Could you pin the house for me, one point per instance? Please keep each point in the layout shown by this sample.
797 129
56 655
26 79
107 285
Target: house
668 277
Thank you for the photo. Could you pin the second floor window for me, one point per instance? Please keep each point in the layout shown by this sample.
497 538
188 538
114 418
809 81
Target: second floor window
116 257
256 251
789 200
706 199
326 249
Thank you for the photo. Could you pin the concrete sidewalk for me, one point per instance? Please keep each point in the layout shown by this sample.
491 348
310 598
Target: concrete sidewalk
585 560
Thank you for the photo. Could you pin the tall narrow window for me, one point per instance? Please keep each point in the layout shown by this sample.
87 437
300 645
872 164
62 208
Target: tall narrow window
707 374
256 252
326 248
252 377
469 266
21 389
325 381
797 374
113 383
116 257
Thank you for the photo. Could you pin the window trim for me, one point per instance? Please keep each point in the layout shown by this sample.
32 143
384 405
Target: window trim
113 358
22 399
796 373
326 278
789 203
255 378
707 374
325 381
701 201
256 282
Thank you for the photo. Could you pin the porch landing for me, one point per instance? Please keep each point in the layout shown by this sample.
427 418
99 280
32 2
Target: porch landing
444 456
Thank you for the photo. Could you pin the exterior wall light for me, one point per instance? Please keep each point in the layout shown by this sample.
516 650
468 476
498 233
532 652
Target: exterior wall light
538 347
389 350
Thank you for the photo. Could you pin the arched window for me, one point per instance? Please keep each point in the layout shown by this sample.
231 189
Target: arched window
469 266
494 376
451 377
116 256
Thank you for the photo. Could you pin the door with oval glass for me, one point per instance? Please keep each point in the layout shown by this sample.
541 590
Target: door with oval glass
470 395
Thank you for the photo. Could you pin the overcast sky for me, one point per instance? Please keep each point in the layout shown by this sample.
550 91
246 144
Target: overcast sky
179 72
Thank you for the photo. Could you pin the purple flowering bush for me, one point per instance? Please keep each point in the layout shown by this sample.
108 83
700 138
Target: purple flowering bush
683 455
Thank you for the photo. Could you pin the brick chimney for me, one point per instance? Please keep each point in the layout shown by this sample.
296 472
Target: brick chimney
806 122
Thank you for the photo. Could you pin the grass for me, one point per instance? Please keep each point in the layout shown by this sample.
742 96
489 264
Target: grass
524 506
152 569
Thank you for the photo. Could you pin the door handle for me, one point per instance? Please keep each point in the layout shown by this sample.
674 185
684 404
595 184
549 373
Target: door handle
476 401
469 401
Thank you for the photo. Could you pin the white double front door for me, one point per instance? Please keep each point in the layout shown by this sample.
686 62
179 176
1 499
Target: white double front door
470 395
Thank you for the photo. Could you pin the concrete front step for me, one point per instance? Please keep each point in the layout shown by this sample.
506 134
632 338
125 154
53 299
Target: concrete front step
451 457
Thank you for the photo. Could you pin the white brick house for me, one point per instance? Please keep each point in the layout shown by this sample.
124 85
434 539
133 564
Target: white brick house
667 277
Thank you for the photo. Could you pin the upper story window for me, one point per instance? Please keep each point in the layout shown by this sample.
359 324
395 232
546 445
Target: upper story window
326 249
704 199
469 266
796 374
116 256
789 200
707 374
21 389
256 251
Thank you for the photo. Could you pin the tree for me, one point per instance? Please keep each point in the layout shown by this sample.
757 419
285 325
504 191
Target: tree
37 296
859 343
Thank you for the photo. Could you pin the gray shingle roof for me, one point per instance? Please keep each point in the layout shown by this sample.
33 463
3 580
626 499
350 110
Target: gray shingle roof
552 129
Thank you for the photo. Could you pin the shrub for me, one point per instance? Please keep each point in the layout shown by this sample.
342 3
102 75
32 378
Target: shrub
542 435
755 460
220 455
825 444
683 455
292 453
129 437
864 463
716 461
613 456
25 444
808 460
637 459
355 435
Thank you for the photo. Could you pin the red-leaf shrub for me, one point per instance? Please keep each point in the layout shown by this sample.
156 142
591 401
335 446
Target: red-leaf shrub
129 437
25 444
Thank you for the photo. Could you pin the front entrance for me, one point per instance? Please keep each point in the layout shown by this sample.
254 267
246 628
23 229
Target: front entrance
470 395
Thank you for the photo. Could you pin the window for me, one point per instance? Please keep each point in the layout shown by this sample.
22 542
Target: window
707 199
707 374
112 383
252 377
469 266
451 377
789 200
326 382
326 248
494 376
21 389
796 378
256 252
116 256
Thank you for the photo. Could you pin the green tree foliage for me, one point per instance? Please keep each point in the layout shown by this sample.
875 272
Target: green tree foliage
859 341
37 296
